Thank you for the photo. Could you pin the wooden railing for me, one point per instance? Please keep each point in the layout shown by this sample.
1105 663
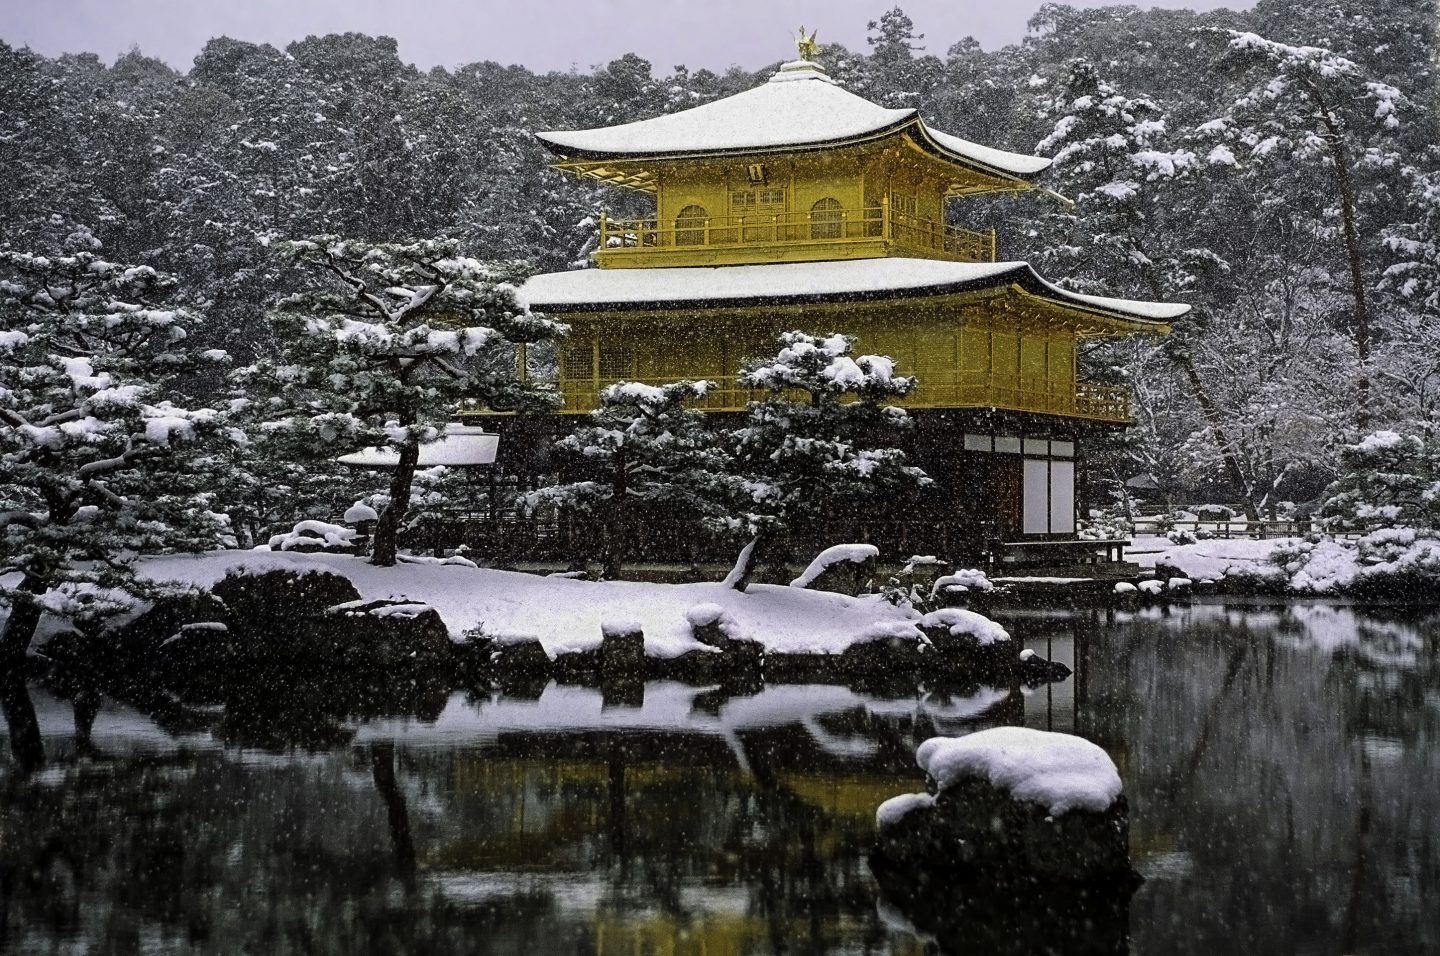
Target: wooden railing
1227 528
626 237
1098 402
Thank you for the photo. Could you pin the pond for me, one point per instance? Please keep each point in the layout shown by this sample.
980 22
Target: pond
1282 765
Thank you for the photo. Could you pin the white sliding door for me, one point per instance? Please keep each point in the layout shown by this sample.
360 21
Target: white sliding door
1049 497
1036 516
1062 497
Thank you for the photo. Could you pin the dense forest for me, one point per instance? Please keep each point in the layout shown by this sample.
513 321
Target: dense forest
1277 168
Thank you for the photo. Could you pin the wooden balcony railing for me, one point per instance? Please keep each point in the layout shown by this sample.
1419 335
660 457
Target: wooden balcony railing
1095 402
879 227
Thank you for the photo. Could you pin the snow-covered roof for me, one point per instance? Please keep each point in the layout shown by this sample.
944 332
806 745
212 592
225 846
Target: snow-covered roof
593 290
461 446
799 106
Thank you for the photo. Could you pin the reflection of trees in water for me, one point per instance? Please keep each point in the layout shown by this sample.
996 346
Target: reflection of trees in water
225 856
527 844
746 830
22 725
1281 769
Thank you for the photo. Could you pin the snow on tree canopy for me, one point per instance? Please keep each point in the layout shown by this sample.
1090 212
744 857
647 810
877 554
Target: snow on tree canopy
1060 772
98 460
382 346
801 458
642 447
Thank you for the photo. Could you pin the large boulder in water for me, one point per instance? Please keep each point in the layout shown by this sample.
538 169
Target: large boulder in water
276 601
966 638
1011 800
315 616
379 634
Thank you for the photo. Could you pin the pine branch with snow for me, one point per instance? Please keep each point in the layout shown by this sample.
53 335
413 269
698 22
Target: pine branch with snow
101 456
817 443
383 346
643 453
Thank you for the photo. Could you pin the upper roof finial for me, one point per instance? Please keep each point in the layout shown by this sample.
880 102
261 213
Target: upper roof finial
806 45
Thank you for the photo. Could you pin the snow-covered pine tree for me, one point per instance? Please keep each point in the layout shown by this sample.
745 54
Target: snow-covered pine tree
894 76
1255 362
642 449
386 344
1113 156
101 459
1315 118
1414 242
799 460
1388 480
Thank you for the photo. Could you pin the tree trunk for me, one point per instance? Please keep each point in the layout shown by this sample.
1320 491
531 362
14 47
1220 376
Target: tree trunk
1360 330
1212 417
616 525
20 626
739 576
387 529
19 711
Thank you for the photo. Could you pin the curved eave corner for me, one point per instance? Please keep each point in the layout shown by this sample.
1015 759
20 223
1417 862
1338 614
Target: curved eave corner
927 139
1133 315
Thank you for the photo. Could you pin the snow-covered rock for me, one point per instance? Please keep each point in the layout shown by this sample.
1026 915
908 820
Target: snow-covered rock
1008 803
892 811
833 556
968 579
959 622
1059 772
359 512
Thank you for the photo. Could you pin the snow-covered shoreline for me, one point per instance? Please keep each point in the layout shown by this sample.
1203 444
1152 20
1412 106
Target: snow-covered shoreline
1299 566
566 615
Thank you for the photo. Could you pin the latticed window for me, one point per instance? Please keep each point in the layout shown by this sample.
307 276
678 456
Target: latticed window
904 205
757 202
577 362
690 226
615 363
826 219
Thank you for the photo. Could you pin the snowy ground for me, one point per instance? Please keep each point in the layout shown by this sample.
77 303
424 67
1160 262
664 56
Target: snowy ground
1325 567
567 615
1211 560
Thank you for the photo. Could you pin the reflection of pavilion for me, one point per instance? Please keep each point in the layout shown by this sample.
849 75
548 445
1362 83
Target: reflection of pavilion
689 820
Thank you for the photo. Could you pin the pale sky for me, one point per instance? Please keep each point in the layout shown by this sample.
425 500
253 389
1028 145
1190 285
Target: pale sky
540 34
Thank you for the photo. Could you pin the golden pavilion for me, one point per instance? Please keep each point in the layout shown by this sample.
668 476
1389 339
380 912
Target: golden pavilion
799 205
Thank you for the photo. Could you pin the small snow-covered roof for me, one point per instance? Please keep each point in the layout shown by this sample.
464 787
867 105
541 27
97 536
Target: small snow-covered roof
799 106
461 446
597 290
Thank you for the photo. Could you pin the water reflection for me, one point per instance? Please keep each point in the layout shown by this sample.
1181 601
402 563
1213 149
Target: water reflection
1281 765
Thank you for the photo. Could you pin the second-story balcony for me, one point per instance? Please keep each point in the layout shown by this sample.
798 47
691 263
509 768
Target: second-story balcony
1102 403
786 237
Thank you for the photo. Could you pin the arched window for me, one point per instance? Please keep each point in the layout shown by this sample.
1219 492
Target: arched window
690 226
826 219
